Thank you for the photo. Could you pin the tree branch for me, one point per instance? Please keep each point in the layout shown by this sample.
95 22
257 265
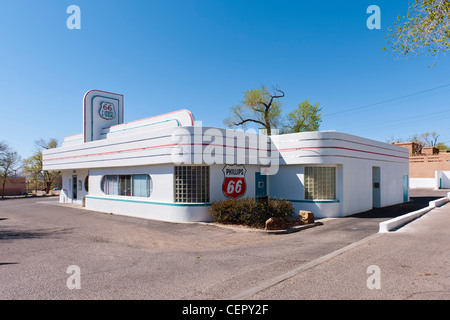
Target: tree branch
274 97
249 120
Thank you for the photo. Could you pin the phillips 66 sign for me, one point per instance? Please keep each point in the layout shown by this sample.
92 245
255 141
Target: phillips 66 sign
234 185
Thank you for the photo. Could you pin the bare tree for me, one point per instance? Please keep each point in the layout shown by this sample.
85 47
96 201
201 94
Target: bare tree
430 139
10 162
419 144
424 140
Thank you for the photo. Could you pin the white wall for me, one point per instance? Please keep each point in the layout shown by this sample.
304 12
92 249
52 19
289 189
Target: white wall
148 209
444 177
217 178
67 192
358 186
392 183
161 180
427 183
288 184
159 206
353 187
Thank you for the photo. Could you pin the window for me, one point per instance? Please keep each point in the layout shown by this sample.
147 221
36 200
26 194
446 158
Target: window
136 185
125 185
140 185
191 184
320 183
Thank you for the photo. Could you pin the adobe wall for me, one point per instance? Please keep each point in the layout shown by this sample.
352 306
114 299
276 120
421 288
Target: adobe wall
424 164
14 187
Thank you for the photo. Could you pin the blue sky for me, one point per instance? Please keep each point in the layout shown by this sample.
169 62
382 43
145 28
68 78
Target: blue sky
202 55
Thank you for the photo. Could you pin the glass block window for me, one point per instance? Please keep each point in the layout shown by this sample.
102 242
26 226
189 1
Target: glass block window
134 185
191 184
320 183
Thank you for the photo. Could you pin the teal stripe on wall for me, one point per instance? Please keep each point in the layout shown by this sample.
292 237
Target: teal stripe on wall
203 204
315 201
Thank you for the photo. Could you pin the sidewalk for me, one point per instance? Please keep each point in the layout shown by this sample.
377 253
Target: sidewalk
414 263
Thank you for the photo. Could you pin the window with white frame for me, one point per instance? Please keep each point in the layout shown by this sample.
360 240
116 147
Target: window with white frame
191 184
320 183
133 185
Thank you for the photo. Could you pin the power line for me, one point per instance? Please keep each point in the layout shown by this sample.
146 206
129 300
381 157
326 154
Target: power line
436 115
385 101
383 128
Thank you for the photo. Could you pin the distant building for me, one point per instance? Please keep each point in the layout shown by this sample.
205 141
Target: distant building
14 186
428 167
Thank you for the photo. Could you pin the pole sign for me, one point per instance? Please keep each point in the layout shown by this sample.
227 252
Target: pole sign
234 185
101 110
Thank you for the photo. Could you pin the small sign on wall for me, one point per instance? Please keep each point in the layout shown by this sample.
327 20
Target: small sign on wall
234 185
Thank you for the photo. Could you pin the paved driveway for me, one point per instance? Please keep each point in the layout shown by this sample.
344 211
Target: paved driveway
127 258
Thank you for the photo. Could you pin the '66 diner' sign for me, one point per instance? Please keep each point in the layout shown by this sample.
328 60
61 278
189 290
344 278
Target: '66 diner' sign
234 185
107 110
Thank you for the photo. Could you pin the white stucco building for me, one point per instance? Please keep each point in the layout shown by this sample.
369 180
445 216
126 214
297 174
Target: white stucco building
171 168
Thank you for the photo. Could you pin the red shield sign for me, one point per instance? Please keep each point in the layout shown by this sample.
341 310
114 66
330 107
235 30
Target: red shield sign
234 185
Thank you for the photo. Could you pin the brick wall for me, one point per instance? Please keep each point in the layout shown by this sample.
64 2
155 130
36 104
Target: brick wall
14 186
424 164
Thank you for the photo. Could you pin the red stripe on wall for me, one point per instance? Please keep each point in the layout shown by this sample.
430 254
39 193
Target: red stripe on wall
207 144
343 148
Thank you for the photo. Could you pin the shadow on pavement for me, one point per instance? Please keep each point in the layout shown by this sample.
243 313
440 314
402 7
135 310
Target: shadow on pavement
14 234
415 203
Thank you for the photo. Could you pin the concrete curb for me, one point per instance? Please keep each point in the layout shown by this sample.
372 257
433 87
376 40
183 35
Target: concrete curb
245 229
398 222
294 229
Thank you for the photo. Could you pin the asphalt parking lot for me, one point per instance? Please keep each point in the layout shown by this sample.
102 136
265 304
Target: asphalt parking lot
127 258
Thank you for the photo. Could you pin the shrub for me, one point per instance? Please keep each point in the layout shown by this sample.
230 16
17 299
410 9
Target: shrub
249 212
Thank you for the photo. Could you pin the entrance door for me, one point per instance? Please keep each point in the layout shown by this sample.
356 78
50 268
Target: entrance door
376 187
260 185
405 188
74 188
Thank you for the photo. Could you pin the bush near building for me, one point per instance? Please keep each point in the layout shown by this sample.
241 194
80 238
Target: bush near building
249 212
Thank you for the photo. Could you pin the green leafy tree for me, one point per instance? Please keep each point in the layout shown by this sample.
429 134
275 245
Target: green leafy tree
426 28
306 117
260 107
442 146
33 164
